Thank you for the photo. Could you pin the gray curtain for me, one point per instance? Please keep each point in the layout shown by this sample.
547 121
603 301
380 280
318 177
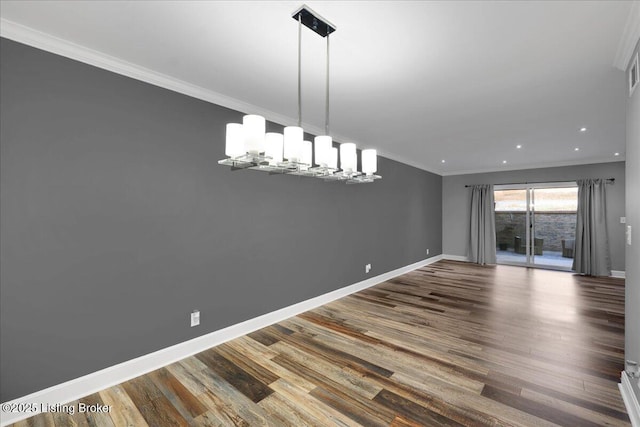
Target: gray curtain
591 254
482 242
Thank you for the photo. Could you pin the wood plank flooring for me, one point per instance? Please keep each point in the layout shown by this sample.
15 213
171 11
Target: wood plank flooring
450 344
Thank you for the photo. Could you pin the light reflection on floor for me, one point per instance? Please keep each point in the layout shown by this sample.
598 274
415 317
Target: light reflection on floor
548 258
553 293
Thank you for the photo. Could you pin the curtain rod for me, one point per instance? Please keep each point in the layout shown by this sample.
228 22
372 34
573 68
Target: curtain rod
609 181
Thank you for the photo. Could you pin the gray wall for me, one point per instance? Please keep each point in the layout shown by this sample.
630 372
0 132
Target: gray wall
455 201
116 222
632 311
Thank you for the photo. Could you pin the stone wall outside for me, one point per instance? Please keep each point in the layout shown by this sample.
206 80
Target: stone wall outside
550 226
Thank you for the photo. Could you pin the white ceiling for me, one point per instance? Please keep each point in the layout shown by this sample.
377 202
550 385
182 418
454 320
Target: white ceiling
420 81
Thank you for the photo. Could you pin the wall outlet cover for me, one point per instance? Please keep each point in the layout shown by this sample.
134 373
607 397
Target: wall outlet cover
195 318
623 220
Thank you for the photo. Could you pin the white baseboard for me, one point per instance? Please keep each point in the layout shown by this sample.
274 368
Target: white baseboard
630 399
456 258
620 274
614 273
108 377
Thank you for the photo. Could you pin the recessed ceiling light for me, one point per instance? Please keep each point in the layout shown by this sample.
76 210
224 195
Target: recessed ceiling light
576 149
616 154
518 146
443 161
583 129
504 161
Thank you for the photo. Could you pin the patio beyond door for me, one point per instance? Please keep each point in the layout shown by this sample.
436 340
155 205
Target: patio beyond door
535 224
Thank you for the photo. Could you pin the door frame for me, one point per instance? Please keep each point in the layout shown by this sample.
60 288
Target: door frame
530 219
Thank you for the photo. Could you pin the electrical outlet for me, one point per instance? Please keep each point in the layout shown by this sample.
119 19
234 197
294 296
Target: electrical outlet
367 268
623 220
195 318
427 251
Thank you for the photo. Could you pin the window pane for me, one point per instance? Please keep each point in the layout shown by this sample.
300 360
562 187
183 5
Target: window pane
556 199
510 200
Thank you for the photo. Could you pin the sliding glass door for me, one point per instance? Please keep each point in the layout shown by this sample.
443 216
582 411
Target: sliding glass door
535 224
512 217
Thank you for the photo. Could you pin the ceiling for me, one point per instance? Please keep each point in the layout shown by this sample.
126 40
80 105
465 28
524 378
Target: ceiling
463 82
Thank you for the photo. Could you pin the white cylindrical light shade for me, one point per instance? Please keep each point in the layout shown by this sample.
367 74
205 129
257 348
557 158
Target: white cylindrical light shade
333 158
293 136
306 155
234 146
254 127
369 161
348 157
323 144
273 147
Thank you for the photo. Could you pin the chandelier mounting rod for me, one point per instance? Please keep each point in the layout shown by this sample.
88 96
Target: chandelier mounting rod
250 147
300 70
310 19
326 108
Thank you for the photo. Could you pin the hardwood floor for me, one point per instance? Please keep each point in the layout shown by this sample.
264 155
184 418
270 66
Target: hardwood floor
449 344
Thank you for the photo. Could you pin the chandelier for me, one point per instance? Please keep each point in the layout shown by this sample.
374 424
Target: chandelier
248 146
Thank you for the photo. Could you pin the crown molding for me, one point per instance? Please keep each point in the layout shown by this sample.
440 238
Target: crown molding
47 42
590 161
38 39
629 39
